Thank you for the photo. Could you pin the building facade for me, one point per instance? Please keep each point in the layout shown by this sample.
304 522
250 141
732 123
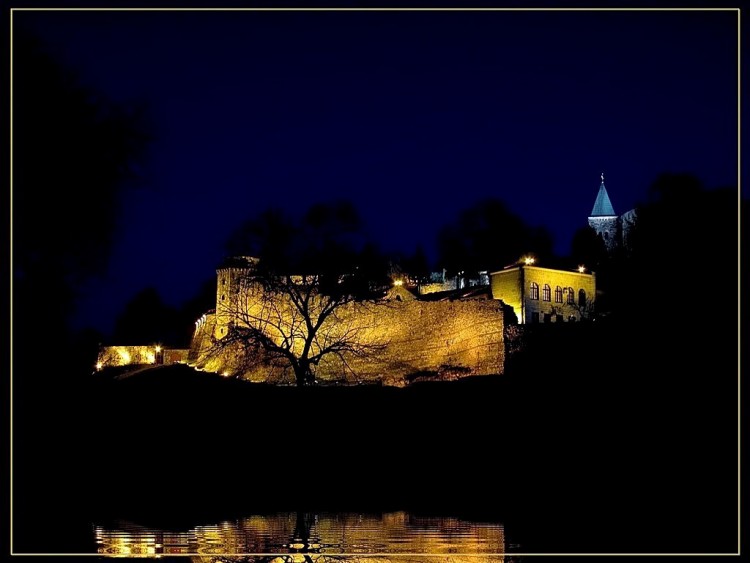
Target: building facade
544 295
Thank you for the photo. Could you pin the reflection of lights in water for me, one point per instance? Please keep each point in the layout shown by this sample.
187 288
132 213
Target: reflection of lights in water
296 546
317 537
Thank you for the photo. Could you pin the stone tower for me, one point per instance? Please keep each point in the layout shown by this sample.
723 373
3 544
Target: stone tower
229 277
603 218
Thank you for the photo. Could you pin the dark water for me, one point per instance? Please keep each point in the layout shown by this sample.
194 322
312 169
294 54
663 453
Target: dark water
289 536
547 460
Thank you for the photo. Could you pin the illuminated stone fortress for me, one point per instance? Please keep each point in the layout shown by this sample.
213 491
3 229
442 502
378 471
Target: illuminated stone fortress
446 327
445 330
403 335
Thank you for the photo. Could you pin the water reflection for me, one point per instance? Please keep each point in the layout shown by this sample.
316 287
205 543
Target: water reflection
291 537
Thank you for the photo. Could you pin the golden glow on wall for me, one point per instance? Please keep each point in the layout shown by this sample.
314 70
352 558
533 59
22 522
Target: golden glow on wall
398 337
124 356
112 356
519 287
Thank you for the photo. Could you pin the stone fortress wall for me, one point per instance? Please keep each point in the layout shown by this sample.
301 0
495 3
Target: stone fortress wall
110 356
114 356
404 338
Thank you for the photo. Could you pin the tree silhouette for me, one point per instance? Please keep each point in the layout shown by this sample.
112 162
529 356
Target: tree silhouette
417 266
301 302
489 236
588 248
203 300
72 154
146 319
683 228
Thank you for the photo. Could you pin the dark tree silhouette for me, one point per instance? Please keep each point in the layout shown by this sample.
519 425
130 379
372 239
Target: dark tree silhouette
299 304
489 236
146 319
683 228
588 248
417 266
203 300
72 154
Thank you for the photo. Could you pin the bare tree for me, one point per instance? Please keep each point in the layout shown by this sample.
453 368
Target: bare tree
299 321
303 303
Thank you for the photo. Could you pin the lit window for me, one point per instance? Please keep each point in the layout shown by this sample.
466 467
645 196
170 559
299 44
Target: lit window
571 296
546 292
581 298
534 293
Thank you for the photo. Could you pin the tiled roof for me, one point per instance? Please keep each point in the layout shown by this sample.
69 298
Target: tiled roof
602 205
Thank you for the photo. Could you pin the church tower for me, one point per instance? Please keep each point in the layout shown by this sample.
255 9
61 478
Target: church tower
603 218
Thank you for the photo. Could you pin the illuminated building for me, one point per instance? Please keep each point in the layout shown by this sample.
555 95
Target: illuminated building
544 295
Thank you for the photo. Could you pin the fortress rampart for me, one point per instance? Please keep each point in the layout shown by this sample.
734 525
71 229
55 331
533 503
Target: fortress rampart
402 338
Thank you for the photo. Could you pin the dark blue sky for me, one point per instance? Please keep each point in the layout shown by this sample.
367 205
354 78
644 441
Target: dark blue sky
413 116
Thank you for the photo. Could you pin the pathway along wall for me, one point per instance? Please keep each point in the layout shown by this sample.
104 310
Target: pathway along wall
412 339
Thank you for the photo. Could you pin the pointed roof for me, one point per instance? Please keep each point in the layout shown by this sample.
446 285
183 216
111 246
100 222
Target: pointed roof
602 205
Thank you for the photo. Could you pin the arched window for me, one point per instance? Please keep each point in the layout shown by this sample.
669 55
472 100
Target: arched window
546 292
581 298
558 294
571 296
534 293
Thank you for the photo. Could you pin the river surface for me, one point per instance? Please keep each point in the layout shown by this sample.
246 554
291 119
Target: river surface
393 536
483 468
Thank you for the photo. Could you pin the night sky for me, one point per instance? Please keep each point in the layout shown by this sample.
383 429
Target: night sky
413 116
